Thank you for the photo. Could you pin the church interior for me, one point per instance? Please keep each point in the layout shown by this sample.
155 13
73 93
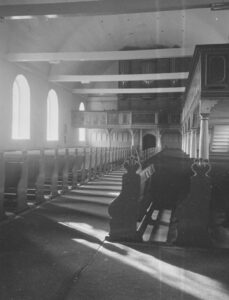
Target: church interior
114 150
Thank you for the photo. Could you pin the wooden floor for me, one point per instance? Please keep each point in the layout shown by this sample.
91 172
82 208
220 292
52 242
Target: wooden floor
58 251
94 198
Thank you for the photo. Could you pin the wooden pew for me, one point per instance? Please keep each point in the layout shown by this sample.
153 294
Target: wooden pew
97 169
200 219
28 177
77 168
85 166
41 178
15 181
63 169
50 187
72 168
99 161
134 204
106 160
92 172
33 173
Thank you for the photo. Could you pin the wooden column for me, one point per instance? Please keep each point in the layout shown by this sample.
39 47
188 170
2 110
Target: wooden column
193 143
159 141
183 142
205 110
204 137
188 142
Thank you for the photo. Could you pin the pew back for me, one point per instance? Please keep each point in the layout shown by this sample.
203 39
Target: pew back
30 175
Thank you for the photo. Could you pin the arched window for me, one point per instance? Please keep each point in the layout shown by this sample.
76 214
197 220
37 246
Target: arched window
52 116
21 109
82 131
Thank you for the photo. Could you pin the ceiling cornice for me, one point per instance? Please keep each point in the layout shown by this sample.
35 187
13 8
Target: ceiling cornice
117 78
57 57
130 91
103 7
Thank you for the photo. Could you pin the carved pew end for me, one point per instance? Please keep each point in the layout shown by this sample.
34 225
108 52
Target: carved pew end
190 224
131 206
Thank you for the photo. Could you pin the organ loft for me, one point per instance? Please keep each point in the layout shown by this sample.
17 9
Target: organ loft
114 150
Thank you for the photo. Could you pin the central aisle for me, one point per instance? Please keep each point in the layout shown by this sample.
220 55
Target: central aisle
58 252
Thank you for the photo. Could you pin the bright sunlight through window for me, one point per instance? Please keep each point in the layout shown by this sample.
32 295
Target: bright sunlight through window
82 131
21 109
52 116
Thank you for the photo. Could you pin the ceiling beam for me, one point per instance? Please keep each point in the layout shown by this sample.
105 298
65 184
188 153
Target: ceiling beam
103 7
57 57
130 91
116 78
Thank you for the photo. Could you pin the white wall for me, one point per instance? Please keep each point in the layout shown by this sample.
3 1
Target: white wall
39 88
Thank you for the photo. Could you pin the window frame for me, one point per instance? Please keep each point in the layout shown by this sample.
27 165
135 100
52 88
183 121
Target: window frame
52 116
21 110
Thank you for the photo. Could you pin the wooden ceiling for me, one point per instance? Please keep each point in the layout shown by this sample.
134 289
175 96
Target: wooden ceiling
86 37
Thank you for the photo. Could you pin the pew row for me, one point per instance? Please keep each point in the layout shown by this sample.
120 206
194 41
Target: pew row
30 177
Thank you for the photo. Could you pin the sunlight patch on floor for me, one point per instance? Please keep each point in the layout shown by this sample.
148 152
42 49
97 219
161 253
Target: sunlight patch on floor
191 283
86 229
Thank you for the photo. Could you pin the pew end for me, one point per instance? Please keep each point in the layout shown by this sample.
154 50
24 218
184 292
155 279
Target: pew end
131 211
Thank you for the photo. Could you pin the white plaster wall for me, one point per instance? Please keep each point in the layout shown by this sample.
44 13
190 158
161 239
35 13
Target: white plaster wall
39 88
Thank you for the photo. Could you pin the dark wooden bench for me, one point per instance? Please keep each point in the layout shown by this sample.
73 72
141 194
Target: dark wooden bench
15 165
131 211
33 172
29 177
